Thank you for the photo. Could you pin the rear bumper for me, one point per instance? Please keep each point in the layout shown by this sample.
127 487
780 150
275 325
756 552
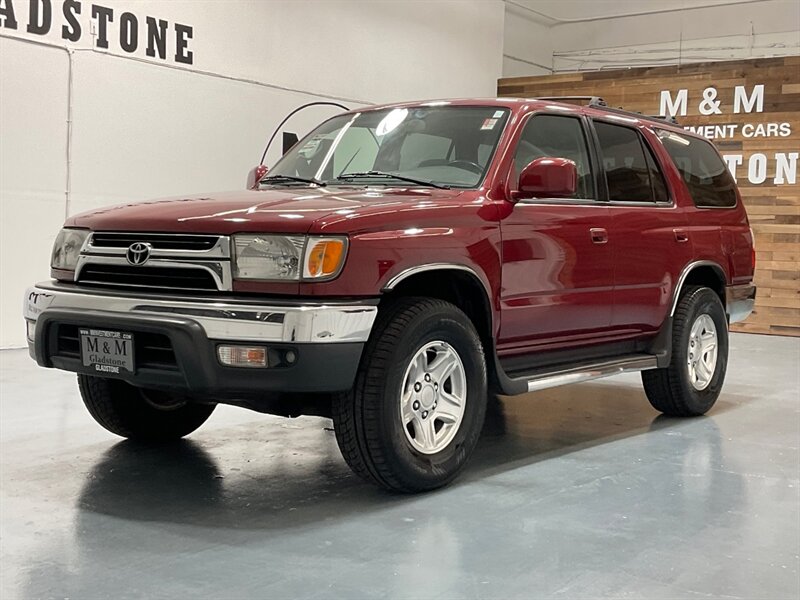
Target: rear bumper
326 338
739 301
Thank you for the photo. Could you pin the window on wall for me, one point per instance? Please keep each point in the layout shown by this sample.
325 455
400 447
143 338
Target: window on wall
556 137
708 180
632 173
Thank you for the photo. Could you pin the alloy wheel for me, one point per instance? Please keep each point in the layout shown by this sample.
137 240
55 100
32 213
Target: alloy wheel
702 356
433 397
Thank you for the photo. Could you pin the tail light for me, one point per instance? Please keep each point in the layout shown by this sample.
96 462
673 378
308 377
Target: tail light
753 249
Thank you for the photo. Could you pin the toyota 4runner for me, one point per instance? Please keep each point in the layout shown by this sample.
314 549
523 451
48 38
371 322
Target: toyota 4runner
398 265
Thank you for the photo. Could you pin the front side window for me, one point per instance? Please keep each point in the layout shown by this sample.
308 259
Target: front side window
556 137
708 180
631 171
441 145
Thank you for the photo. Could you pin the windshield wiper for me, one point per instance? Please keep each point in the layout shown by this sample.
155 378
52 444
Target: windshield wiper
385 175
286 178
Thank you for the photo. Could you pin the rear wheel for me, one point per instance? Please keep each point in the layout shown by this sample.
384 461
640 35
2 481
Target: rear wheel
692 382
416 410
141 414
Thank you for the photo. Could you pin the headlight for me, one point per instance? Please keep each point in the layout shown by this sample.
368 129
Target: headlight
268 256
67 248
288 258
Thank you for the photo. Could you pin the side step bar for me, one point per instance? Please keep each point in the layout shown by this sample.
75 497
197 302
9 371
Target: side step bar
533 381
592 371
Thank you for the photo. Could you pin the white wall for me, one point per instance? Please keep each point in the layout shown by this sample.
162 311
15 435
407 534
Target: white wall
591 34
143 127
527 44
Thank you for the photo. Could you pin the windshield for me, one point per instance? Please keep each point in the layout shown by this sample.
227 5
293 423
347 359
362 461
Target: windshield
445 146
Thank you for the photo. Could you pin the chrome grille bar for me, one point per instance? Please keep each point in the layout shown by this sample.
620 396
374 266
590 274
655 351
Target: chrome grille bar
205 258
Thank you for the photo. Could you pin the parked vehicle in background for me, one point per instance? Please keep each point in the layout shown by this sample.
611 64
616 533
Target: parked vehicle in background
398 264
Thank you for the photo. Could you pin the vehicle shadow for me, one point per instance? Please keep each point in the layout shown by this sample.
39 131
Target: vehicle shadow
299 477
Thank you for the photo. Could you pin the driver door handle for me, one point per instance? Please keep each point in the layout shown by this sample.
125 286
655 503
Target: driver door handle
599 235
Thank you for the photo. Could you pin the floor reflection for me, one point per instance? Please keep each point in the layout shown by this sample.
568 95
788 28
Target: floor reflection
188 497
306 480
576 492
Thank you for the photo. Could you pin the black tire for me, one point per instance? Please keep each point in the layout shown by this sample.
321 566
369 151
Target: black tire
140 414
670 389
367 422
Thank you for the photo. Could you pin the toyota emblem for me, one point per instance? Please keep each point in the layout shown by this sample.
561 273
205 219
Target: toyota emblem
138 253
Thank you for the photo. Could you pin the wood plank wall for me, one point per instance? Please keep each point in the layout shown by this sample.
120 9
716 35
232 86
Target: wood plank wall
773 206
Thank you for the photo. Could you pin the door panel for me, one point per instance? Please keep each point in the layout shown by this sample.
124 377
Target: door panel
647 262
557 278
557 283
648 232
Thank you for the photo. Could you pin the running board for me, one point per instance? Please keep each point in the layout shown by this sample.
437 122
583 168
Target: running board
541 379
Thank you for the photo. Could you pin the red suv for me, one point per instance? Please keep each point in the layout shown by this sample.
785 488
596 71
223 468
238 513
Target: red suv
400 263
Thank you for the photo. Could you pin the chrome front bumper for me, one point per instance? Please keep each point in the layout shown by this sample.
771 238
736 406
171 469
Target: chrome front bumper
221 319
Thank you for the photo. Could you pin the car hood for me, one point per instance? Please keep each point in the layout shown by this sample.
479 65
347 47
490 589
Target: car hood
284 210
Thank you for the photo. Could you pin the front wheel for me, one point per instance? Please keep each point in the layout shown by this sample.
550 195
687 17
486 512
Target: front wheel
140 414
692 382
416 410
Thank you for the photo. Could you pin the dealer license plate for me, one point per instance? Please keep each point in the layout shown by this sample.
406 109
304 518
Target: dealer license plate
107 352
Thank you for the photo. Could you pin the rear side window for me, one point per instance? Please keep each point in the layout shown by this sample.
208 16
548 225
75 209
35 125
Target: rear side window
632 173
709 182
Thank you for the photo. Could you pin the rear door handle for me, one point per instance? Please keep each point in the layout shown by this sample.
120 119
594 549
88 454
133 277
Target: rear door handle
599 235
681 235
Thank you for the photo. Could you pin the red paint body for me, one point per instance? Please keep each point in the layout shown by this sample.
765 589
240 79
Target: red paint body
559 273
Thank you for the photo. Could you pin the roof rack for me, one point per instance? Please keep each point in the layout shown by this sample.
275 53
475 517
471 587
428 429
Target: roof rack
598 102
669 119
592 100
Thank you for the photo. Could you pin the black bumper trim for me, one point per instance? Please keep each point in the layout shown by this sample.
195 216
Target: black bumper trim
320 367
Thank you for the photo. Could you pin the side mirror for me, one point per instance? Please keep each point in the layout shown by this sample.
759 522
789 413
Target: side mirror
255 175
547 177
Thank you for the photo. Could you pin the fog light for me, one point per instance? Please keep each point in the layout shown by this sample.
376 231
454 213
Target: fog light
31 330
242 356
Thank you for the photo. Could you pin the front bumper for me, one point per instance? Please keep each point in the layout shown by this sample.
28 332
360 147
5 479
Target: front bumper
327 338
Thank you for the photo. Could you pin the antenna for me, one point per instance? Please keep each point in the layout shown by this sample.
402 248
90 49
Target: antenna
290 115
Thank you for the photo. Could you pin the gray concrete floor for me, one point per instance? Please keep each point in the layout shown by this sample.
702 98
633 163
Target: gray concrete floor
577 492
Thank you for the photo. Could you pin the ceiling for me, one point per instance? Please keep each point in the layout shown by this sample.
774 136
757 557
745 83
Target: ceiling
560 10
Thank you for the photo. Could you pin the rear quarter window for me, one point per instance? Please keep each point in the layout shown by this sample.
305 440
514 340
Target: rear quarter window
709 182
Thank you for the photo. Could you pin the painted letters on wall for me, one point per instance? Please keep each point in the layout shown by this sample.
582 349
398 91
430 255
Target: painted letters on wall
108 29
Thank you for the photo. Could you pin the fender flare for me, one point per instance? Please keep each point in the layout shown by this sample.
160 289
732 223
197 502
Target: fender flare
676 293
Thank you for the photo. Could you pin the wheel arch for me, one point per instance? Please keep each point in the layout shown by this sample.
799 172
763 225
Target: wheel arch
702 272
459 284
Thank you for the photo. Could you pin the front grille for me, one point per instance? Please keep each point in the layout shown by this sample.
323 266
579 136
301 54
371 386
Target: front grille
159 241
68 342
150 350
147 277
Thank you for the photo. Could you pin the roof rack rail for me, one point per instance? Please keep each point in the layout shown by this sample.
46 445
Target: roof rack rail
669 119
593 100
597 101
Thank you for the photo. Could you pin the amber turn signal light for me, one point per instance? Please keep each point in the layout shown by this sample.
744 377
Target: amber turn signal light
324 257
